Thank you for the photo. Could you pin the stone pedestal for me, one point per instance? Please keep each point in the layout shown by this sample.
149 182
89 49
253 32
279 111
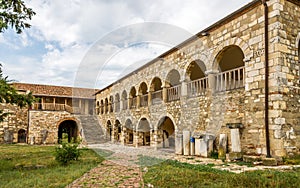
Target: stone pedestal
178 144
197 146
186 142
192 144
222 146
235 140
203 148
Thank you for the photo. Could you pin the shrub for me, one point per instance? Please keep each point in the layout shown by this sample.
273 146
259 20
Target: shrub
66 153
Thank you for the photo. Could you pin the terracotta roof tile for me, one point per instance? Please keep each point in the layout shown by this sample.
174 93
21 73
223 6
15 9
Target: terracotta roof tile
58 91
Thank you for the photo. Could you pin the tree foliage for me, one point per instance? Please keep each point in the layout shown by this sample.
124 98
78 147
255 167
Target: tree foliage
8 94
14 14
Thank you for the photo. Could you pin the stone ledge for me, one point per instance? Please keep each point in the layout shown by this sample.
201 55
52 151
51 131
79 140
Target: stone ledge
269 162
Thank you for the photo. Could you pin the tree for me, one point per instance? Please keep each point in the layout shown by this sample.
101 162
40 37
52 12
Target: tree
14 13
9 95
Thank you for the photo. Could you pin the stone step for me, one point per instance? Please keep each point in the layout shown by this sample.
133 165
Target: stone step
92 129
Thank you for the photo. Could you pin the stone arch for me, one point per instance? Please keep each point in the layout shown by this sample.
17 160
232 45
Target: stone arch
156 90
143 93
101 106
124 100
118 130
195 70
166 132
298 46
109 130
106 105
132 98
128 131
21 136
117 102
224 60
156 84
143 88
111 103
244 46
199 57
166 115
143 132
67 129
98 107
173 78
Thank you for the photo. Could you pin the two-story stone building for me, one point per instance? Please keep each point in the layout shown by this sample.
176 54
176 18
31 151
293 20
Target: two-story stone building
234 87
58 110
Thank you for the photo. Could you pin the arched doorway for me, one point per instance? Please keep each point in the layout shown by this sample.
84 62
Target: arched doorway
108 130
118 131
21 136
128 132
143 133
166 133
67 131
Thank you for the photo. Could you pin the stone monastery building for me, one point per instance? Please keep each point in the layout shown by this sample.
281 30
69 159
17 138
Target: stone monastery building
232 88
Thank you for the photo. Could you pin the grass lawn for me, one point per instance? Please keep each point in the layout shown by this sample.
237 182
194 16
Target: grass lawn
175 174
35 166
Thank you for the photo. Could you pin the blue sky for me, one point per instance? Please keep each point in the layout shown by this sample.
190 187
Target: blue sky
64 32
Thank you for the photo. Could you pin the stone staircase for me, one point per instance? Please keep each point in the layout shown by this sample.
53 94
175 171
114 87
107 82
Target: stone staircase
92 130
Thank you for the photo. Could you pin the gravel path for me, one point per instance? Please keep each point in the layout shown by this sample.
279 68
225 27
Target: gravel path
121 168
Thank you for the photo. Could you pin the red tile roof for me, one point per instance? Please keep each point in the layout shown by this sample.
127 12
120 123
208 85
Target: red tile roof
56 91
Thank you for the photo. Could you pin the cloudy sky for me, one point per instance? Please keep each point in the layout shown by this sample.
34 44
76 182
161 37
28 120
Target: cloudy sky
91 43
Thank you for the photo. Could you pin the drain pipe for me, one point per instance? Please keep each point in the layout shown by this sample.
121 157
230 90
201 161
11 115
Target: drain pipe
266 11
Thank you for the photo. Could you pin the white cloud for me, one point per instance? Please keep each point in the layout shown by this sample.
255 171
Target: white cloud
67 29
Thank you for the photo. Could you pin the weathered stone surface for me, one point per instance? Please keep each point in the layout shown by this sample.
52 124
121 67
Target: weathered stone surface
269 161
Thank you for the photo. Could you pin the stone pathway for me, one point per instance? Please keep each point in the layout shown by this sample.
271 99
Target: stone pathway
123 168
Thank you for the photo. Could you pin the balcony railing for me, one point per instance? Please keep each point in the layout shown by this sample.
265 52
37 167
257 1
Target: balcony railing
232 79
157 97
132 103
117 106
125 104
144 100
197 87
174 93
55 107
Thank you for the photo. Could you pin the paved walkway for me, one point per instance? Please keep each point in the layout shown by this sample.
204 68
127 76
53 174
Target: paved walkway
124 165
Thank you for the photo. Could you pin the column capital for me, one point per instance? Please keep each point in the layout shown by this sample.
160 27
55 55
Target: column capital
211 72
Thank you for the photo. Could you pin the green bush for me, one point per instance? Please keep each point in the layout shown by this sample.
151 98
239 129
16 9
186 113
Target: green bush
66 153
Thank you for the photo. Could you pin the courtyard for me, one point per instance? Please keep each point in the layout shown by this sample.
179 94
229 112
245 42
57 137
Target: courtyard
114 165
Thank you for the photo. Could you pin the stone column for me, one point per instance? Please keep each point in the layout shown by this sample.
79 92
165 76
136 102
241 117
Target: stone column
165 94
222 146
149 97
178 144
235 140
186 142
42 103
236 150
203 149
184 88
138 101
211 76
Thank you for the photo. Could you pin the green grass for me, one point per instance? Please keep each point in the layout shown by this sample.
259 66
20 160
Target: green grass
35 166
176 174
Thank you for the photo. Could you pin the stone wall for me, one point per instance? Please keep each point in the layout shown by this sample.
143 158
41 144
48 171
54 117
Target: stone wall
16 121
214 111
44 125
